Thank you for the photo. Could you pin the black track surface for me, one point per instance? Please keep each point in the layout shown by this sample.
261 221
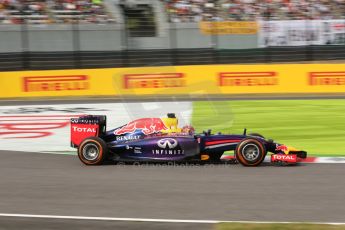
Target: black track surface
38 183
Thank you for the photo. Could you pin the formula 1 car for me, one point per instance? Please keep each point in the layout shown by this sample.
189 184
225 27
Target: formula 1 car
160 139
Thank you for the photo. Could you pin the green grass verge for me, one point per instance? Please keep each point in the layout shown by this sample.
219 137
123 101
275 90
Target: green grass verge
317 126
239 226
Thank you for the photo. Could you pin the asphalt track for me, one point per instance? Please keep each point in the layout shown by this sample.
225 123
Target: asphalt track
47 184
10 223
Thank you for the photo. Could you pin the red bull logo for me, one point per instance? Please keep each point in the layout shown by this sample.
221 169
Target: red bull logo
146 125
282 148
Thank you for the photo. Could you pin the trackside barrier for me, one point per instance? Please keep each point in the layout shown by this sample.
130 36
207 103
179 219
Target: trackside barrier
176 80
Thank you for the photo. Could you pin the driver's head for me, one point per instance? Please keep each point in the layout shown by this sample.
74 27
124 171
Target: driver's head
171 115
170 121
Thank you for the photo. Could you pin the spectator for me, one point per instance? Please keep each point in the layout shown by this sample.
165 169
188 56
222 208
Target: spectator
53 11
249 10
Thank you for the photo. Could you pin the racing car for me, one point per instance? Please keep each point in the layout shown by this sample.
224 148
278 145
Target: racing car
161 140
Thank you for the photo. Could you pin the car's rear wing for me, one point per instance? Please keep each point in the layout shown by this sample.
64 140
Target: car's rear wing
87 126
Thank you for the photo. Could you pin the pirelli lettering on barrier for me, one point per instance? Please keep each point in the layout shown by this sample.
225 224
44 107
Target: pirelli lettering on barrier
248 79
326 78
162 80
55 83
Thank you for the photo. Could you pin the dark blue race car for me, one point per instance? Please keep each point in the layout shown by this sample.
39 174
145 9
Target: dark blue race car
161 140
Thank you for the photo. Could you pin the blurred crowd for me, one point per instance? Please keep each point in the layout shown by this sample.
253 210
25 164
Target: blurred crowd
53 11
93 11
251 10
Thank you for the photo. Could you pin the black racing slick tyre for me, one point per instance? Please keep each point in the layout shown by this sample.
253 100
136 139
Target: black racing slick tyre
92 151
250 152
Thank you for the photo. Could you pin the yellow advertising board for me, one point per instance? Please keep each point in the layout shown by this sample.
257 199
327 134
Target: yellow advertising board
176 80
228 27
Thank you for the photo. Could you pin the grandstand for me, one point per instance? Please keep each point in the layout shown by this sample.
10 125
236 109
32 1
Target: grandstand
177 11
252 10
58 11
40 34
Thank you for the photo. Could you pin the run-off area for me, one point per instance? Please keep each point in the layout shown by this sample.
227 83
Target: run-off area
46 128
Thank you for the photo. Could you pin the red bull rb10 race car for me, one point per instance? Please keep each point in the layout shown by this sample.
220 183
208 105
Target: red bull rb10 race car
161 140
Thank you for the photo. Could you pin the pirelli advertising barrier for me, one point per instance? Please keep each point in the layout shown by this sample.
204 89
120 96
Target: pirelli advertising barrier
176 80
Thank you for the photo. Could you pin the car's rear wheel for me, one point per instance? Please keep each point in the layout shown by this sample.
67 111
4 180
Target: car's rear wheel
250 152
92 151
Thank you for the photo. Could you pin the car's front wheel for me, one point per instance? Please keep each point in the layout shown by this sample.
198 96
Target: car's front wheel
250 152
92 151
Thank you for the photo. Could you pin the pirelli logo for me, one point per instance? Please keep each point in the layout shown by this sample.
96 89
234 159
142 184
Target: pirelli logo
248 79
161 80
326 78
55 83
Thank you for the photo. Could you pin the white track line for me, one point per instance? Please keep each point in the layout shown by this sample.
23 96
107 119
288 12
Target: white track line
155 220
